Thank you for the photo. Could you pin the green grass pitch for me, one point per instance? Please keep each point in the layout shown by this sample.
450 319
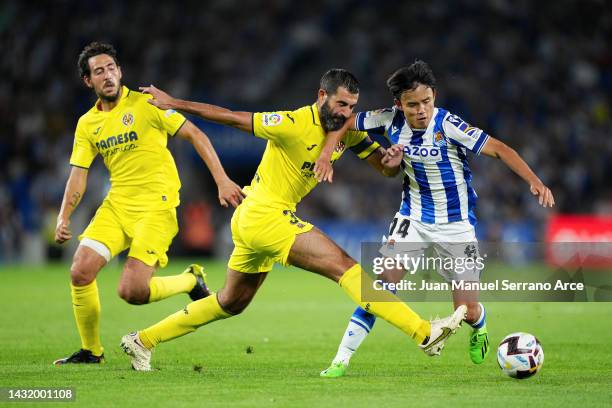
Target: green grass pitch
292 329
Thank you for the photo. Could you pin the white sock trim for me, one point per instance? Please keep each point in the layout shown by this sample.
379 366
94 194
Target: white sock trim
481 317
97 246
366 326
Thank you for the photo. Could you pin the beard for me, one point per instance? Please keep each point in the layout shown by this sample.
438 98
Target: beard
329 121
112 97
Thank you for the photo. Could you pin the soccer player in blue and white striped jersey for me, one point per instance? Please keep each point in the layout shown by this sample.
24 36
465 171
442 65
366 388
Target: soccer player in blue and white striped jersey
438 201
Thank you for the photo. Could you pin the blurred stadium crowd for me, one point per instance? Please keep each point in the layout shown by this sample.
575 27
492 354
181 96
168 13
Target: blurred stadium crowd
537 77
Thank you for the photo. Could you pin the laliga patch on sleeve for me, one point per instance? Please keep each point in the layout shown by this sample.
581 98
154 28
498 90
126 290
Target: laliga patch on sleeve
169 112
473 132
376 112
458 122
271 119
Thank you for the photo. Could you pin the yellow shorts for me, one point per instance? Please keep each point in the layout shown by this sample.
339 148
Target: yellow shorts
263 236
148 234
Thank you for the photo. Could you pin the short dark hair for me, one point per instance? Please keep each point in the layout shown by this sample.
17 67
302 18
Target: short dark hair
337 77
408 78
91 50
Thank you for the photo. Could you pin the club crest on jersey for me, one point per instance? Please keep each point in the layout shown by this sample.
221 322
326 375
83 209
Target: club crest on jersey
340 147
128 119
439 139
272 119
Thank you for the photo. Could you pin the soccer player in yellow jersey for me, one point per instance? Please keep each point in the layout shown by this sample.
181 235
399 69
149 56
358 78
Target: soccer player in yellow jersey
265 228
139 211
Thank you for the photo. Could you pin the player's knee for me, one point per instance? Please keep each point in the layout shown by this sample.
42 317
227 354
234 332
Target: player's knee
81 273
133 295
233 305
235 308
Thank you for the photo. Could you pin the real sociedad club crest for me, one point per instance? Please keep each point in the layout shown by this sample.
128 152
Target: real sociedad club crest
128 119
439 139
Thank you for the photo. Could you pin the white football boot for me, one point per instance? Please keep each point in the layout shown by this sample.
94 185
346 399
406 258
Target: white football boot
133 347
441 330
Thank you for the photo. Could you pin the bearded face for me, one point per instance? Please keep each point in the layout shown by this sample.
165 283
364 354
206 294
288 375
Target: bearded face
329 120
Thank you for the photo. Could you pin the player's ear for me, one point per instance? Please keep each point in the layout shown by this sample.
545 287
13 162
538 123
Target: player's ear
434 94
120 73
87 81
322 95
397 103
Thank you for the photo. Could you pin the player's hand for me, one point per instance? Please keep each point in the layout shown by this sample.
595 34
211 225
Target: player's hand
62 232
160 98
230 193
545 196
323 170
393 157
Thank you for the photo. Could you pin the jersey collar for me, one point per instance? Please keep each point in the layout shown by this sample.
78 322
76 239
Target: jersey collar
315 114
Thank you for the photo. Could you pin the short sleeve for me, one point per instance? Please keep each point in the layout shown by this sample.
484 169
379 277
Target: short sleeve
461 133
376 120
171 120
361 144
276 126
83 150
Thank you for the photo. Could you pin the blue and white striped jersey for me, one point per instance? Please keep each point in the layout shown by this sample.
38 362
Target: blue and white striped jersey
437 179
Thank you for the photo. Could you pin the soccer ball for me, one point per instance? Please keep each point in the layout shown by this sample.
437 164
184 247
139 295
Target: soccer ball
520 355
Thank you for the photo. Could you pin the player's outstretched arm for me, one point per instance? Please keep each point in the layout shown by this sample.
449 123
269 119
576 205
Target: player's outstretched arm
323 169
162 100
387 161
75 188
229 192
498 149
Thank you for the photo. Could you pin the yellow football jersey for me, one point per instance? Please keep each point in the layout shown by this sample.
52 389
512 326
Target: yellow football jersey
132 140
295 139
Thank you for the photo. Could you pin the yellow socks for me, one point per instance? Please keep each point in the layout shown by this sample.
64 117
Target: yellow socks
392 309
86 307
208 310
166 286
185 321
